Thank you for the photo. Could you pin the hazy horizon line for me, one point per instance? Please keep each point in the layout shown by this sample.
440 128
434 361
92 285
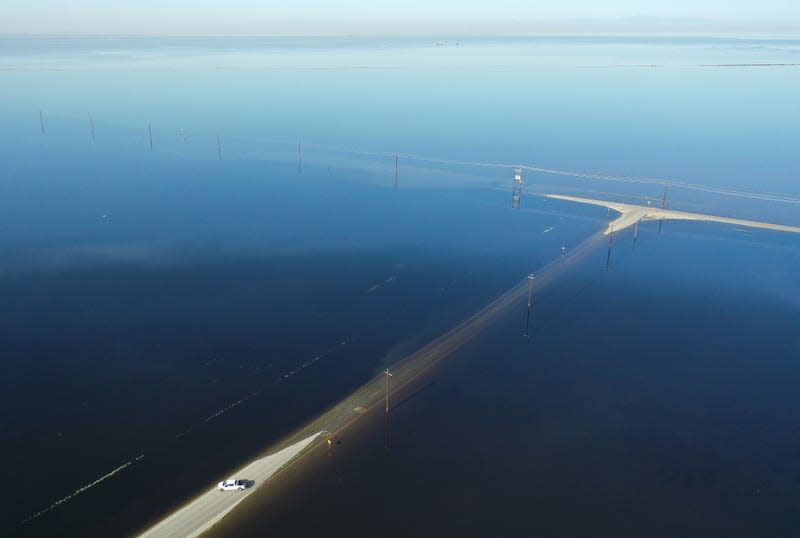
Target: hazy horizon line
579 27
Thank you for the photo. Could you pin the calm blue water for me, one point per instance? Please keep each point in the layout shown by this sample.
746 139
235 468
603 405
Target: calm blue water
147 291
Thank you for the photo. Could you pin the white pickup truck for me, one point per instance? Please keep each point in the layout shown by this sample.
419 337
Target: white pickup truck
232 484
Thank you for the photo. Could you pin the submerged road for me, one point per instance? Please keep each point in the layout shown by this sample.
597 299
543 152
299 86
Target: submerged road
210 507
630 214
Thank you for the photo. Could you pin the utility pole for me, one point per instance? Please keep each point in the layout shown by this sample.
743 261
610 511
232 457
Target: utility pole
388 375
530 303
663 204
610 239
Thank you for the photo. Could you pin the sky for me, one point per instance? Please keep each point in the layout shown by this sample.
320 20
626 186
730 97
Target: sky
379 16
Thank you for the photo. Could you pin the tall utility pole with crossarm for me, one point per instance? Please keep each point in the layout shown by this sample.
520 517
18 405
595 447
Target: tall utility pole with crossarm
388 375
